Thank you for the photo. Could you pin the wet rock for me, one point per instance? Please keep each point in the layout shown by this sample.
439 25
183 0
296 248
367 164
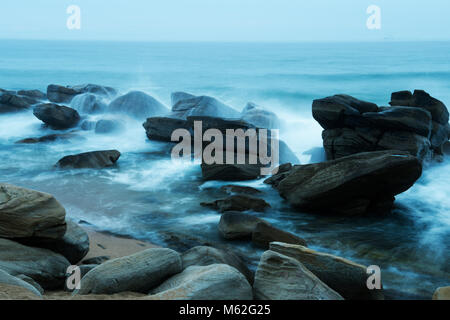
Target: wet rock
84 269
96 260
7 279
235 189
205 256
355 184
439 135
34 94
238 203
236 225
56 116
161 128
87 125
107 126
178 96
259 117
44 266
344 276
212 282
26 213
60 94
31 282
94 160
48 138
10 102
96 89
203 106
446 148
442 293
264 234
415 144
88 103
74 245
139 272
230 172
280 277
138 105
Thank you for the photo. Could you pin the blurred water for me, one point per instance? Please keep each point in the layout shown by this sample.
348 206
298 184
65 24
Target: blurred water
151 197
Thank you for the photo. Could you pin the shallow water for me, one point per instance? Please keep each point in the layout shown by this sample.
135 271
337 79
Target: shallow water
151 197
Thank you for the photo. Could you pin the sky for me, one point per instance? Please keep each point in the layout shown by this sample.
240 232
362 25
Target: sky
226 20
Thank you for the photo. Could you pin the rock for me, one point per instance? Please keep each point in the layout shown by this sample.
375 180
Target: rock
26 213
48 138
347 278
107 126
12 103
7 279
35 94
280 277
442 293
96 260
230 172
73 246
43 266
421 99
87 125
330 112
236 225
178 96
203 106
55 116
96 89
139 272
355 184
259 117
88 103
205 256
60 94
12 292
446 148
94 159
212 282
161 128
415 144
317 154
235 189
31 282
264 234
439 135
84 269
138 105
238 203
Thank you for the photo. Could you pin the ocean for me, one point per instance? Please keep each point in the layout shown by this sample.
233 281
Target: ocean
150 197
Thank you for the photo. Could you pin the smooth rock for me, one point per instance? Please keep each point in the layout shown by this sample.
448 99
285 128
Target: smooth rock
139 272
347 278
264 234
236 189
162 128
7 279
280 277
94 159
56 116
230 172
88 103
96 89
259 117
26 213
176 97
138 104
61 94
236 225
203 106
10 102
212 282
238 203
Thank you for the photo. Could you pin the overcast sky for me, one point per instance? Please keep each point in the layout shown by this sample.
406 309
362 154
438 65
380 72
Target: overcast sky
226 20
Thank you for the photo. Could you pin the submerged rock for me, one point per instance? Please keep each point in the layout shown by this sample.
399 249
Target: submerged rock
139 272
26 213
212 282
48 138
205 256
280 277
357 184
94 160
138 104
345 277
57 117
44 266
238 203
107 126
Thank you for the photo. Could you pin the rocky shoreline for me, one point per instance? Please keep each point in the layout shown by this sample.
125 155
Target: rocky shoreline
373 154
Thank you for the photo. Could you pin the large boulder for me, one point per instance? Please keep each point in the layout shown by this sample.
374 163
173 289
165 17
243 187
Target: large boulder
88 103
139 272
61 94
56 116
264 234
7 279
161 128
236 225
202 106
345 277
357 184
42 265
74 245
26 213
260 117
94 160
212 282
138 105
238 203
205 256
280 277
10 102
